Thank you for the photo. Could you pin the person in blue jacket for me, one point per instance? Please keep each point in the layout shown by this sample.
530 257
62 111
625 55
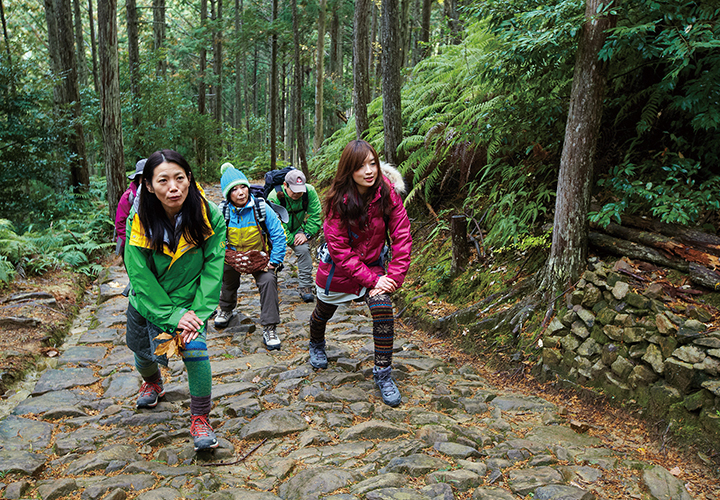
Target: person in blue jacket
245 232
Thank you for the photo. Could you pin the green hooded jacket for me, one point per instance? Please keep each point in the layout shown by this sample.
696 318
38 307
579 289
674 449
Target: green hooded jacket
167 285
308 222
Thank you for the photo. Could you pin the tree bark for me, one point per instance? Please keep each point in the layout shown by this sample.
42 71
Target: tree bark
93 46
237 117
159 37
424 45
297 118
273 90
80 44
405 32
217 67
320 78
569 240
134 66
7 39
451 15
391 63
60 38
202 88
361 55
460 253
708 242
697 273
110 104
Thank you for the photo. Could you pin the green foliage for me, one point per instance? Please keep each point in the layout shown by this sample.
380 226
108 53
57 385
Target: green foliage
672 192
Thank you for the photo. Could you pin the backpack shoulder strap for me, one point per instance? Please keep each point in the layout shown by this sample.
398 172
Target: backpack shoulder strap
306 201
224 207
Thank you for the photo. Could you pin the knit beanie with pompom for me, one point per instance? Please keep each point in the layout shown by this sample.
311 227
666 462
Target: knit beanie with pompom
231 177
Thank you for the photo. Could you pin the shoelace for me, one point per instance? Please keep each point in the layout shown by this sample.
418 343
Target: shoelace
270 335
148 388
200 426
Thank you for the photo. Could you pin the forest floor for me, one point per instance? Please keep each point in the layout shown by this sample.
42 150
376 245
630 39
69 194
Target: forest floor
23 347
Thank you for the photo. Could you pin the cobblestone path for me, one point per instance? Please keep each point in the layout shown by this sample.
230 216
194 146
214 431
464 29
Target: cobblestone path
287 431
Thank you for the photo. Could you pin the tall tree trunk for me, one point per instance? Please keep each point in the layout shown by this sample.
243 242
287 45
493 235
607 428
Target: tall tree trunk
334 35
5 34
297 114
110 103
392 110
282 109
255 80
451 15
237 117
273 90
405 32
320 78
569 238
361 80
424 43
202 88
371 74
67 93
93 47
217 66
134 65
80 44
159 37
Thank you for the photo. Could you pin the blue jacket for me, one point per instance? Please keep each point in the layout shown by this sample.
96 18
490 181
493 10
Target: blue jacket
244 231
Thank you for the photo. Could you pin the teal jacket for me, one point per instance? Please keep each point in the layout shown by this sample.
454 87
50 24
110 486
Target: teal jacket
167 285
308 222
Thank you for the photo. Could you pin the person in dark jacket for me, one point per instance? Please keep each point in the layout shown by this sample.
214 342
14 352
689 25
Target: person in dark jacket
363 211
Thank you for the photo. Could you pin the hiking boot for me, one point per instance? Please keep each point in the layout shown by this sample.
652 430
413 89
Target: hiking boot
150 393
270 338
318 358
388 390
222 318
306 294
202 433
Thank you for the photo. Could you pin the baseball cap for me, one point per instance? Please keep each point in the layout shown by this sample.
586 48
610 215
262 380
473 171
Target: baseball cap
295 180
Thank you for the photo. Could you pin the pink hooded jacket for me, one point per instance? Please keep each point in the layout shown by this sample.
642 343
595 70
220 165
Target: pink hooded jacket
123 209
353 258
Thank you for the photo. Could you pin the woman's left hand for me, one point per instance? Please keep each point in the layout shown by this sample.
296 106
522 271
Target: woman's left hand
190 326
384 284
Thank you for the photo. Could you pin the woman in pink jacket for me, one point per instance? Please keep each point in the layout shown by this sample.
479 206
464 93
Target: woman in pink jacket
125 204
363 212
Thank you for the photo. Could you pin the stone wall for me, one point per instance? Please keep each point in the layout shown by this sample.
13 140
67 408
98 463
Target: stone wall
638 346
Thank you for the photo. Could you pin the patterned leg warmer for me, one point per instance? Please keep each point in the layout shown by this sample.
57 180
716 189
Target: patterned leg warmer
383 327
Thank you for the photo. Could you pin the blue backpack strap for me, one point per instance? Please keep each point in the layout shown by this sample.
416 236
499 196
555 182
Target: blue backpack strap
329 279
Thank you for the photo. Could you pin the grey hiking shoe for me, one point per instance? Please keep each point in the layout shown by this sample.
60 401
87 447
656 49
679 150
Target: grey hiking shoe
306 294
150 393
270 338
202 433
318 358
222 318
388 390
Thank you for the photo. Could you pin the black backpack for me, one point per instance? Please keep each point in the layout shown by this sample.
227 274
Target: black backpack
274 179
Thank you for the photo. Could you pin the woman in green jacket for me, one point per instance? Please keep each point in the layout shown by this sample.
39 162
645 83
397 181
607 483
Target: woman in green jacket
174 257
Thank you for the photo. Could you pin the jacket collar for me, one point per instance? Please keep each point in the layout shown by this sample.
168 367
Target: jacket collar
139 238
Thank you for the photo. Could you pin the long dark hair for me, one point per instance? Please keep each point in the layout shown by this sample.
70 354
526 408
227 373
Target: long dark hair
151 211
343 196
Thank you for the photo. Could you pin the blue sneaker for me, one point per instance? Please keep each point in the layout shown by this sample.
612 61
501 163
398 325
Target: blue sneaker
202 433
150 393
388 390
318 358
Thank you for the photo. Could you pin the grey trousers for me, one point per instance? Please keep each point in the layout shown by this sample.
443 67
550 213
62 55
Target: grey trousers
305 265
266 282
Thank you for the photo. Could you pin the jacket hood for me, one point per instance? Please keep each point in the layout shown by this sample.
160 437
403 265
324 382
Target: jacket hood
394 176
